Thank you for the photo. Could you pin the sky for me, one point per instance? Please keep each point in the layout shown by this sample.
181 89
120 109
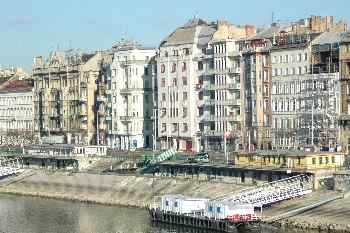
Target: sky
30 28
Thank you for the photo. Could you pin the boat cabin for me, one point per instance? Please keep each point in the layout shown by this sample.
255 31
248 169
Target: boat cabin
182 205
228 210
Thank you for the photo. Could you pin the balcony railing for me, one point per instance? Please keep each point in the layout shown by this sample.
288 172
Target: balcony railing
101 98
83 112
125 118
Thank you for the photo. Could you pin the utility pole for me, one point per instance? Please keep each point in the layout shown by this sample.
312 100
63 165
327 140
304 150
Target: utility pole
225 147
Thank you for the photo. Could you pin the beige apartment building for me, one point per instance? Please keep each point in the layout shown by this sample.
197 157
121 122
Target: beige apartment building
69 96
199 92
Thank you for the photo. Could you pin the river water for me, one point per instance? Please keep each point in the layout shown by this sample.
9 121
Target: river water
19 214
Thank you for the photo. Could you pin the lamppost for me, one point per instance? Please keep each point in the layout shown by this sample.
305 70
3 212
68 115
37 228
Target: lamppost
155 118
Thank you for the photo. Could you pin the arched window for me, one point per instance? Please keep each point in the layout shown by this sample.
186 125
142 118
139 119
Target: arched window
173 68
162 68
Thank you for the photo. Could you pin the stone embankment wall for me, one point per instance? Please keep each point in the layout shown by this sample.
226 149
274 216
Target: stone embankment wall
112 189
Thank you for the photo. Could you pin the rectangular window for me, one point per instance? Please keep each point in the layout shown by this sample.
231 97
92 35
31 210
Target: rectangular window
184 81
333 159
274 59
185 127
327 160
313 161
184 95
320 160
184 111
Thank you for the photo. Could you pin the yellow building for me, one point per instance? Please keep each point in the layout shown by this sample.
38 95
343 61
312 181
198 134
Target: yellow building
69 96
290 160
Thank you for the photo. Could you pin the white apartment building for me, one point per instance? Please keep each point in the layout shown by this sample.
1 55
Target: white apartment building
290 68
16 107
130 96
199 85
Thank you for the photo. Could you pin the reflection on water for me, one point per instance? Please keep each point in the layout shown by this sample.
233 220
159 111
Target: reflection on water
20 214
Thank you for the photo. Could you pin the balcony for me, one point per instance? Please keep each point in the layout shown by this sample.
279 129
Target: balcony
53 69
84 119
83 99
83 127
235 70
101 98
209 117
124 63
232 102
199 86
214 133
234 86
102 113
235 118
211 87
125 118
54 115
83 112
83 85
210 102
72 68
102 127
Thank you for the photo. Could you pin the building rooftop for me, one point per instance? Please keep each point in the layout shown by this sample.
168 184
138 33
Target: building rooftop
185 34
329 38
15 86
125 45
269 32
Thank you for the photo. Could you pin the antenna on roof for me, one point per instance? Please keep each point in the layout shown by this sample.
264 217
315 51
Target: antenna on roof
272 18
196 15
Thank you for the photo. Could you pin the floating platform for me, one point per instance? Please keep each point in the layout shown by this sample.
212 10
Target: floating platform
204 223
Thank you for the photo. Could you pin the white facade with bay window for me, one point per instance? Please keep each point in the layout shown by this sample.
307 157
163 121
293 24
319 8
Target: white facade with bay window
130 97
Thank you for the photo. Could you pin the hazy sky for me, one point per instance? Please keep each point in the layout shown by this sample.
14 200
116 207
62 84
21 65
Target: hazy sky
35 27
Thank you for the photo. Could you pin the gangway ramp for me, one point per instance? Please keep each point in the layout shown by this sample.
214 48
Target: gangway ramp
272 192
157 159
163 156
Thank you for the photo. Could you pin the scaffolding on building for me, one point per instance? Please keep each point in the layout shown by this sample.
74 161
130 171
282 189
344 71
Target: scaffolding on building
317 118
